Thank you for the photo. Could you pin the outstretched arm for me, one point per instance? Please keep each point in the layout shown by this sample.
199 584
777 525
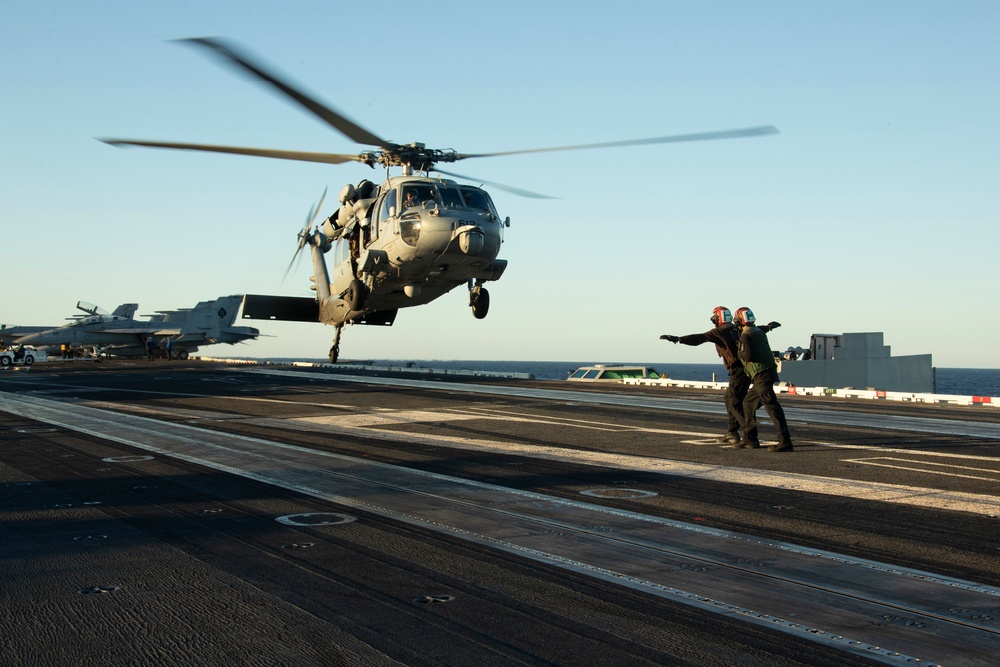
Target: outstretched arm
690 339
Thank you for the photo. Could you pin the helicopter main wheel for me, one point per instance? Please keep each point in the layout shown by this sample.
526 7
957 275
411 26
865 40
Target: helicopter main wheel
182 355
357 293
481 304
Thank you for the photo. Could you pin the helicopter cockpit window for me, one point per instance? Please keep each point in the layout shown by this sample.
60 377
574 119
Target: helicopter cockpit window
476 198
388 204
417 195
450 197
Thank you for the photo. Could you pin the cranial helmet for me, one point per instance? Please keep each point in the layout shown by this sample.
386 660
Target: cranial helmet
721 315
744 316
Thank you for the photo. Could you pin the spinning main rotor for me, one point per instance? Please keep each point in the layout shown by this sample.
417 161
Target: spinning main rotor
410 157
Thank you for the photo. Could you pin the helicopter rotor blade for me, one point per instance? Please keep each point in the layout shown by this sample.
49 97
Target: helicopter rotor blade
294 262
315 212
509 188
300 156
673 139
304 232
337 121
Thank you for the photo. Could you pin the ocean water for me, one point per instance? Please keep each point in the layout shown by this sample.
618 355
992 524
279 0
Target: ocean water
959 381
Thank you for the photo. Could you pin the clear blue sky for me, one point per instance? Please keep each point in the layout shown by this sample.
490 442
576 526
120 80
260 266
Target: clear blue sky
876 209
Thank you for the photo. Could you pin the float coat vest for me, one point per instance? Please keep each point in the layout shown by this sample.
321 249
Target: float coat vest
755 351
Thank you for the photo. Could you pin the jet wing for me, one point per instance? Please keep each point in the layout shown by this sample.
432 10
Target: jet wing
7 331
159 331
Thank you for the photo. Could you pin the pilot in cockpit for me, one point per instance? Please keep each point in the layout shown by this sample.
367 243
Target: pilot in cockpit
409 198
475 199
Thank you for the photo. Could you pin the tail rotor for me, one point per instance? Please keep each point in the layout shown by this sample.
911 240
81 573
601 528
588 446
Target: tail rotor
305 234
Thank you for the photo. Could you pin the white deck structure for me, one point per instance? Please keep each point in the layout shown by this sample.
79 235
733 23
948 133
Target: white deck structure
857 360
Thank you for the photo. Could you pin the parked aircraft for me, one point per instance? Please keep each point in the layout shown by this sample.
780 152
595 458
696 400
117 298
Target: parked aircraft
208 323
11 334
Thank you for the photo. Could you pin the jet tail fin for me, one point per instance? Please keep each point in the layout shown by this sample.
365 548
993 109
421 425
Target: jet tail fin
208 318
126 310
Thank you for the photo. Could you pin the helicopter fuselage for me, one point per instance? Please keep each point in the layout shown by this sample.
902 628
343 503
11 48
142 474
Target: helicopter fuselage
416 240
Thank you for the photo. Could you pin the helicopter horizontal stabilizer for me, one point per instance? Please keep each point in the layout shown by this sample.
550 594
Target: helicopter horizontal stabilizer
283 308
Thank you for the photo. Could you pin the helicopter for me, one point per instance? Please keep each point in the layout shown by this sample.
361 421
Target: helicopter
398 244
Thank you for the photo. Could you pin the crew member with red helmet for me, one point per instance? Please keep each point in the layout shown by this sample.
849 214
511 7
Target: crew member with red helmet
726 337
755 352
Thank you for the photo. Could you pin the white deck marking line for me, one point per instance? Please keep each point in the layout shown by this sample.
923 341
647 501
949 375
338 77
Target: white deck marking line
907 452
507 415
875 461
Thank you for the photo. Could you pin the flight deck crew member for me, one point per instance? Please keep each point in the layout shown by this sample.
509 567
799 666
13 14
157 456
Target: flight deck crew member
149 347
758 361
725 335
170 349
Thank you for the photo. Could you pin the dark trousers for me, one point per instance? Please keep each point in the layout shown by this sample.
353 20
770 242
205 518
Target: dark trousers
739 383
762 393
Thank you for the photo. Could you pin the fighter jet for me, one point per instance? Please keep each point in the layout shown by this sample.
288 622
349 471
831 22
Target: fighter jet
208 323
11 334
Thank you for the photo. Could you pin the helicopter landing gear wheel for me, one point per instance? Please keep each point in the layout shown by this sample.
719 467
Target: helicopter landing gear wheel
480 299
183 355
357 293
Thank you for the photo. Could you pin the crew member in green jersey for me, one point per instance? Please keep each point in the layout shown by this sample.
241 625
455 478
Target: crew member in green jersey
758 360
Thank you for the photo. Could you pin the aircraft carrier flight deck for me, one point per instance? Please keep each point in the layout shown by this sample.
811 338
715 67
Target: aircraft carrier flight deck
193 513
